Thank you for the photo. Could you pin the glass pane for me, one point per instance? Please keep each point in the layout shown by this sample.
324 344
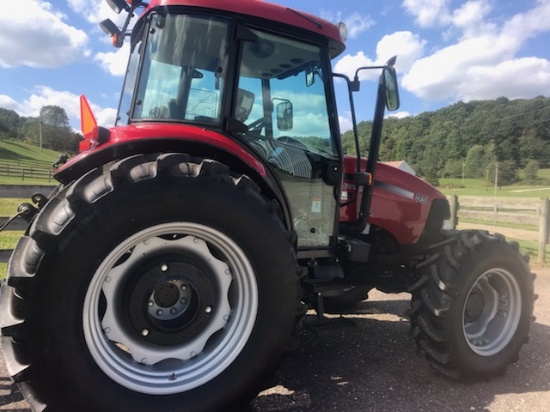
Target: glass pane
184 65
288 125
129 84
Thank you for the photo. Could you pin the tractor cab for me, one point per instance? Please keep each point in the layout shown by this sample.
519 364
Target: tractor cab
264 84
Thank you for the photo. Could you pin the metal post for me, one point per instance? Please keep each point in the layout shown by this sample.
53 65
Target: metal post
40 130
454 211
496 178
544 222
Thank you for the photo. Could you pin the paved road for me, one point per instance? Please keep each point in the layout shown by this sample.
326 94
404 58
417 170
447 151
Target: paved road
373 366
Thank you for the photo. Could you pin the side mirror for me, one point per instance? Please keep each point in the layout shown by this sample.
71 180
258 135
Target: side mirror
285 116
112 31
118 5
391 89
310 76
245 102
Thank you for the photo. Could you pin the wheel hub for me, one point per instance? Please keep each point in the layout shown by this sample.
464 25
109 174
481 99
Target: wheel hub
178 298
166 295
474 306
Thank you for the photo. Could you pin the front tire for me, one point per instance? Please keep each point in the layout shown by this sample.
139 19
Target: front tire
158 283
472 307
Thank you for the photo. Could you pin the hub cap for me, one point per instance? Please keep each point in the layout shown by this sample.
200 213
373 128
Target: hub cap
170 308
492 312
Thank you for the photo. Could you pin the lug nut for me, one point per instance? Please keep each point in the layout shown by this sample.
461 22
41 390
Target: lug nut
208 309
163 267
160 312
145 332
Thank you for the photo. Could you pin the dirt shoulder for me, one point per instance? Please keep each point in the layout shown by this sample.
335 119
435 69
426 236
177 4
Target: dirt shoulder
512 233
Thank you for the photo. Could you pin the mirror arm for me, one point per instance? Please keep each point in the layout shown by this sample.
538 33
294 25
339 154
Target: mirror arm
374 152
353 118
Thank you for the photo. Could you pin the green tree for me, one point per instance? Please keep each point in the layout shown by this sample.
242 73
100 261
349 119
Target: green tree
476 161
530 172
9 124
55 129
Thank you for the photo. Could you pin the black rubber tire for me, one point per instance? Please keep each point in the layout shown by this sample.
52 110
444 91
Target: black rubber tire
51 277
348 300
472 307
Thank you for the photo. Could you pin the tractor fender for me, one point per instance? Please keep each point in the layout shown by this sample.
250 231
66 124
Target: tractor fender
137 139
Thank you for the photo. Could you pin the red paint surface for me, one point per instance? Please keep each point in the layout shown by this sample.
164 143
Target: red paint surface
403 217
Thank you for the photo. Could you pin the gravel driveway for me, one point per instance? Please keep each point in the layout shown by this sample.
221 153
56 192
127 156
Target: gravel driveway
372 365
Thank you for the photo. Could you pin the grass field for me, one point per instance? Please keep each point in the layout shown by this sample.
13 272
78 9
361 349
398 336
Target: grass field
18 155
478 187
19 152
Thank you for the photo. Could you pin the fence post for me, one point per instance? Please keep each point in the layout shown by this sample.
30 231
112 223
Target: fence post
454 211
543 228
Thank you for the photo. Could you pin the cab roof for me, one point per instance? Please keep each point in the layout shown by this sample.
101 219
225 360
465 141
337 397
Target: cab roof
269 11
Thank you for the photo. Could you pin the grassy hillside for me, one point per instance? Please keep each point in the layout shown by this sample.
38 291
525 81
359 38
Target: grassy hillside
479 187
18 152
17 156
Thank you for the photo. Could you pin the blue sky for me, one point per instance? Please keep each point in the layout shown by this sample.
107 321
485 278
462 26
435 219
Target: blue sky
53 51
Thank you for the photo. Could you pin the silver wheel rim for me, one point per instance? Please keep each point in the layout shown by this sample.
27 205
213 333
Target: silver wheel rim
127 355
492 312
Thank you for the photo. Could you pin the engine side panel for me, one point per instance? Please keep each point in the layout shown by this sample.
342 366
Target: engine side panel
401 201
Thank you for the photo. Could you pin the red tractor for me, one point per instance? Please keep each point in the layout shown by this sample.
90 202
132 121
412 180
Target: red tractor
170 267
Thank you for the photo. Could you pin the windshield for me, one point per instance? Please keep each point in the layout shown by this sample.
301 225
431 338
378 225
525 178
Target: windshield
183 82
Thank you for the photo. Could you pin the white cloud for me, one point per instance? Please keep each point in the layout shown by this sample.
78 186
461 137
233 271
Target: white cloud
471 13
33 33
428 13
484 62
114 62
7 102
104 117
505 80
398 115
355 22
345 123
95 12
349 63
70 102
407 46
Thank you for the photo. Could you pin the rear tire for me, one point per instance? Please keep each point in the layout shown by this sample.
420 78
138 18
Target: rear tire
158 283
472 307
